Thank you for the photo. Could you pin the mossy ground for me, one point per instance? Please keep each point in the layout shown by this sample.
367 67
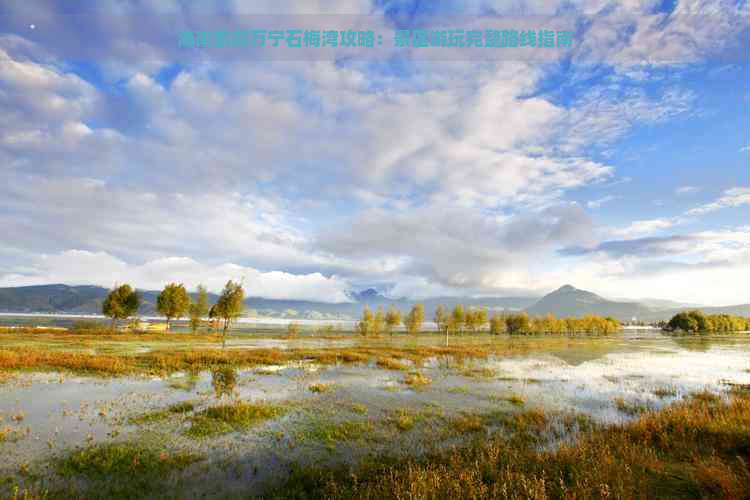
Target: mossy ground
231 417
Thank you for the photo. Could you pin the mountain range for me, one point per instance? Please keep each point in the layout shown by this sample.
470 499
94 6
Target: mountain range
565 301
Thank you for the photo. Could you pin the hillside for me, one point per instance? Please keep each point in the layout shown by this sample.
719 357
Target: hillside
565 301
88 299
571 301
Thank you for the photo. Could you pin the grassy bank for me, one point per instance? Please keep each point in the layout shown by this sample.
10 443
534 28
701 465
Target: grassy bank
166 362
699 448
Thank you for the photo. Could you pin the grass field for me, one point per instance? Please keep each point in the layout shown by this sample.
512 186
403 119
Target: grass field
102 415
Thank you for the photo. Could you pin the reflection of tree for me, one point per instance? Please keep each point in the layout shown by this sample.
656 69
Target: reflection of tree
703 343
224 381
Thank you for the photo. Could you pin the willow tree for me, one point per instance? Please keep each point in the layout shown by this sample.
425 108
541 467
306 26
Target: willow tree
229 306
173 302
121 303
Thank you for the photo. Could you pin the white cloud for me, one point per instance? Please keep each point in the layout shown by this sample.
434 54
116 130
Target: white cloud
733 197
600 201
685 190
641 228
103 269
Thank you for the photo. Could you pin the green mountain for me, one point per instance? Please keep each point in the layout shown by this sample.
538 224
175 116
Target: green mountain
571 301
565 301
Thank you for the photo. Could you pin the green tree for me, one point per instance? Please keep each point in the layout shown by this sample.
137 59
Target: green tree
173 302
198 309
517 323
392 319
121 303
458 318
230 305
415 319
497 324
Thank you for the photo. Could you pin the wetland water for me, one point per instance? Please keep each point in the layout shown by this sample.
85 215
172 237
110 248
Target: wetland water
348 411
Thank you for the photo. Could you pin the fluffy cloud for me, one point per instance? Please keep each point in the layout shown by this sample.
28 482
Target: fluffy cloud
431 178
456 248
103 269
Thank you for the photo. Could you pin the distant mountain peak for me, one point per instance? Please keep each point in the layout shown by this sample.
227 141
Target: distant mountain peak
571 301
367 295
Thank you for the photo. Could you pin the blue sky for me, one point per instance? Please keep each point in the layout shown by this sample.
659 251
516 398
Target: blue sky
622 168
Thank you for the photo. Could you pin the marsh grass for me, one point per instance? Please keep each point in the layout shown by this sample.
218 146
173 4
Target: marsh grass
417 380
11 435
478 373
664 392
176 409
186 383
234 417
359 408
330 432
391 364
697 448
121 470
320 387
514 399
39 356
633 408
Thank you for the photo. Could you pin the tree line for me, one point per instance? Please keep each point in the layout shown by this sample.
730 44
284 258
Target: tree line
473 320
174 302
696 321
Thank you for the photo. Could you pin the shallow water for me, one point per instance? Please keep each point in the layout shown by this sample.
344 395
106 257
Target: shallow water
53 412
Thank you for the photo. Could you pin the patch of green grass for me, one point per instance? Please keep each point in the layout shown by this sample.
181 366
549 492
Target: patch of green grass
159 415
321 387
514 399
359 408
187 383
404 421
122 470
223 419
330 432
